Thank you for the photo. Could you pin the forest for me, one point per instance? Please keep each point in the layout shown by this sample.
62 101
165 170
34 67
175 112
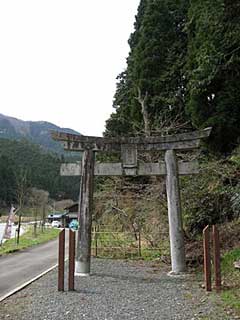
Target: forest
24 165
182 72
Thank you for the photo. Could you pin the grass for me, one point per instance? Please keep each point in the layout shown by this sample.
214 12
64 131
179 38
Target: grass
28 240
230 293
231 280
231 298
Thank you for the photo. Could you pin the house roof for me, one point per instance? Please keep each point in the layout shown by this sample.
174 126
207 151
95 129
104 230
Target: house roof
72 208
72 215
56 215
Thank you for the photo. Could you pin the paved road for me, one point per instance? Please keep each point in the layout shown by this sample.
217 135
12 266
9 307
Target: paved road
20 267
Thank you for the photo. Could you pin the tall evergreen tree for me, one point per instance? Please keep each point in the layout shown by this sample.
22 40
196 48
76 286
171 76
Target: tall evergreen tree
123 121
8 180
154 69
183 66
213 69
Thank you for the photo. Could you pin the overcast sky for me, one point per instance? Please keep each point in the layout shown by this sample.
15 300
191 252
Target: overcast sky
59 59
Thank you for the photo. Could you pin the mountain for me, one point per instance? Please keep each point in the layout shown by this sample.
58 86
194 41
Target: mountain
37 132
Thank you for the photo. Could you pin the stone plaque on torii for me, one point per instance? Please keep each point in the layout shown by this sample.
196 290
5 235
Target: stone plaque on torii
129 148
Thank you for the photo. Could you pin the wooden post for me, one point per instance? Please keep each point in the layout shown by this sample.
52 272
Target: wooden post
207 259
71 260
85 215
61 259
174 215
216 258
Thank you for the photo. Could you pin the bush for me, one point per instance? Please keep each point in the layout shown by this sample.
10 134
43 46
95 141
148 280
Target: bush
211 197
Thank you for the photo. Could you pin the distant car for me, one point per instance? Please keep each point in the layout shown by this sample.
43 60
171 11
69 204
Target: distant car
73 225
56 224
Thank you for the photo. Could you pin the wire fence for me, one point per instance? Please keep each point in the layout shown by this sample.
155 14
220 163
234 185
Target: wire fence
121 244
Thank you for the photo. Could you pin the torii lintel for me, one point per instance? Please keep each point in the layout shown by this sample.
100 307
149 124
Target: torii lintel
183 141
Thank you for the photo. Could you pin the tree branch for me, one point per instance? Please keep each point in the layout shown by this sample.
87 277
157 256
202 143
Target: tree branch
142 101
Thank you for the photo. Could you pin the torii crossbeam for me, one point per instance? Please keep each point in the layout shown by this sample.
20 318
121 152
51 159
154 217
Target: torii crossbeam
129 148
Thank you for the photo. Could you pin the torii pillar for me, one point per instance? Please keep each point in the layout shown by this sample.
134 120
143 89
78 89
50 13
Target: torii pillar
82 265
174 214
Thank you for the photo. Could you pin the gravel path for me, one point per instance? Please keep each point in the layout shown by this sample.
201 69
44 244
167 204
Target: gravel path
116 290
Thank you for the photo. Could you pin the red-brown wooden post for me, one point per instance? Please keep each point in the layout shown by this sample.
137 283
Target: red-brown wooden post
216 257
207 259
71 261
61 259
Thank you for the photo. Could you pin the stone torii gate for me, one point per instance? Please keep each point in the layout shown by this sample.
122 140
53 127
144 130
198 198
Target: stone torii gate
129 148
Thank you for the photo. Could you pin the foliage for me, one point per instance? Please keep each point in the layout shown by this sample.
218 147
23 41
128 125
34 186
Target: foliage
24 165
231 277
184 59
154 68
213 69
8 182
212 196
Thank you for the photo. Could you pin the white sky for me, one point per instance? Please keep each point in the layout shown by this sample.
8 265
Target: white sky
59 59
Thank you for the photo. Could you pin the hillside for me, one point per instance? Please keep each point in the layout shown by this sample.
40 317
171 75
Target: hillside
37 132
24 165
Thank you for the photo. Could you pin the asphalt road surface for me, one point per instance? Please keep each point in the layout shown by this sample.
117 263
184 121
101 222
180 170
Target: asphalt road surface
20 267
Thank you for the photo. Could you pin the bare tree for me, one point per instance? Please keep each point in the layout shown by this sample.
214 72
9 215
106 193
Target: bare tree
144 109
166 125
21 191
38 199
22 187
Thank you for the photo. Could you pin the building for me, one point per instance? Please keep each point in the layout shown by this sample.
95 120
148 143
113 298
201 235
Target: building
57 216
71 213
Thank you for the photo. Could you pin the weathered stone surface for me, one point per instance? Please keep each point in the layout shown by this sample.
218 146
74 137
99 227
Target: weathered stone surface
117 169
129 159
85 216
184 141
174 214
